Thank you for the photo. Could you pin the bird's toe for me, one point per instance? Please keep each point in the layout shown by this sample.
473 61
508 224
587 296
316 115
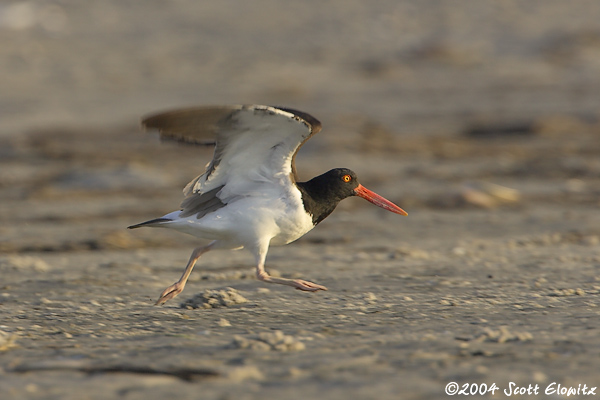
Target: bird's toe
169 293
308 286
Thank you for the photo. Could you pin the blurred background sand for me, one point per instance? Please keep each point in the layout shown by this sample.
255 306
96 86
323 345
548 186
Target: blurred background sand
412 66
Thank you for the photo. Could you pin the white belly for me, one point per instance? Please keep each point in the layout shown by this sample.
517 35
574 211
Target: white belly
249 220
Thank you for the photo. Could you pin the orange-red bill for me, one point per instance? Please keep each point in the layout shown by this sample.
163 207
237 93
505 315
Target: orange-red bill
378 200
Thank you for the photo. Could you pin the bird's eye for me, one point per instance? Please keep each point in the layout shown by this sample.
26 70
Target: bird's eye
346 178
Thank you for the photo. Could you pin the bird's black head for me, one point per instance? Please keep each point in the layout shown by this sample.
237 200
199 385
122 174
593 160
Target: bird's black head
336 184
323 193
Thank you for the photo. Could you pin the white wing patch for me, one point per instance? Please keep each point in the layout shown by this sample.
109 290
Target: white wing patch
254 148
254 153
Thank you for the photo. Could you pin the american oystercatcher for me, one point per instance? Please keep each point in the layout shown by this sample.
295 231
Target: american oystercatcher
249 196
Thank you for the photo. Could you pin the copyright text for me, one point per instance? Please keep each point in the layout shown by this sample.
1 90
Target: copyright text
513 389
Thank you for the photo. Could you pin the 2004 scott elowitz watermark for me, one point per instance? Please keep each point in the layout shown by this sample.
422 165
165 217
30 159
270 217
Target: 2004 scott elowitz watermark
513 389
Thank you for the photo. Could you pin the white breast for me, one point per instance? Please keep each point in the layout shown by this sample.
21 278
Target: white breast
274 213
295 222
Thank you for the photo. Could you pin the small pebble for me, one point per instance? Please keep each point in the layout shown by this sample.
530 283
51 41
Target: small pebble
269 341
214 299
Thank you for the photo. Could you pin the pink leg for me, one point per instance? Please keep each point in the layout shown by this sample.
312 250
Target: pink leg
262 275
178 286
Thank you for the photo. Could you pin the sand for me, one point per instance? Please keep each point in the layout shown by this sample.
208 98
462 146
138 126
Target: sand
479 118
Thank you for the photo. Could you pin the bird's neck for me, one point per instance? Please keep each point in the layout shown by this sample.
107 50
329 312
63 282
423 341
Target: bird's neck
318 201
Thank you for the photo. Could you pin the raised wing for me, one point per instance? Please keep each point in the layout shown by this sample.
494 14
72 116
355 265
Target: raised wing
255 146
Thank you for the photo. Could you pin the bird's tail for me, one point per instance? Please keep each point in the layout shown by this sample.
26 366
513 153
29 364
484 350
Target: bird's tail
152 222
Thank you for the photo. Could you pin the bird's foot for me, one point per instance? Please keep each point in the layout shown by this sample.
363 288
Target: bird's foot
170 292
307 286
299 284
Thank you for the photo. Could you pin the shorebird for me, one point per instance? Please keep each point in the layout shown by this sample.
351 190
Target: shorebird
249 196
